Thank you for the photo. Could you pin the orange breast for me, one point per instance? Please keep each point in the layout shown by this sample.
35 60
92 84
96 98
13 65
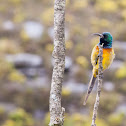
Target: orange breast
108 56
105 50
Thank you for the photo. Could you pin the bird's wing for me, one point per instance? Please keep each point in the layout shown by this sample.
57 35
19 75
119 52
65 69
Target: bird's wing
94 61
94 56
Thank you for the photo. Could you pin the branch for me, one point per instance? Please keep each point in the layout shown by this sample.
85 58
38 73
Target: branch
100 76
56 111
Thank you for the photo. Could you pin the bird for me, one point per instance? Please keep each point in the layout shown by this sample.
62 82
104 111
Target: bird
106 40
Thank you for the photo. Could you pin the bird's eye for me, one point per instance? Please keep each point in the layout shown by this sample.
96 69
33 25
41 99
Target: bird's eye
105 36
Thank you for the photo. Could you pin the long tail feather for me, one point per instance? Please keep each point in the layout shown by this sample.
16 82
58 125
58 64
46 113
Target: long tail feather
90 87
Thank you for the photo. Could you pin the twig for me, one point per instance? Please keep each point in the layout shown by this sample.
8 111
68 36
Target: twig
56 111
100 76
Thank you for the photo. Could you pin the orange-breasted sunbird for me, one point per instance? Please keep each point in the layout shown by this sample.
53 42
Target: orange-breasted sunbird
108 56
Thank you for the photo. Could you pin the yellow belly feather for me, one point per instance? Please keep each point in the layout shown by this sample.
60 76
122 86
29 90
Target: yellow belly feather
108 56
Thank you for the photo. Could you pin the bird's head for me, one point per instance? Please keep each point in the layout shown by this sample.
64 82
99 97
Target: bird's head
105 39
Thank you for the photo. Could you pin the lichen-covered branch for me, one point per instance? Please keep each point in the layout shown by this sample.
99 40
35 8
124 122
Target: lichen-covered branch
56 111
100 76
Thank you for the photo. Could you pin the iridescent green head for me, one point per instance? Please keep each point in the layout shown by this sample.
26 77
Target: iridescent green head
105 39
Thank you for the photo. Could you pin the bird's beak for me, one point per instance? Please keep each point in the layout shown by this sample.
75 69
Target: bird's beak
98 34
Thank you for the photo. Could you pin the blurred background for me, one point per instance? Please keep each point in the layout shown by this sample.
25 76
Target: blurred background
26 44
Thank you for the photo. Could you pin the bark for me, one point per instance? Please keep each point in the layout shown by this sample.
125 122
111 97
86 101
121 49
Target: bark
100 76
56 111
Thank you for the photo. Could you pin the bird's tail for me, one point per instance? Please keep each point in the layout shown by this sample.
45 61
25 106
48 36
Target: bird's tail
90 87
